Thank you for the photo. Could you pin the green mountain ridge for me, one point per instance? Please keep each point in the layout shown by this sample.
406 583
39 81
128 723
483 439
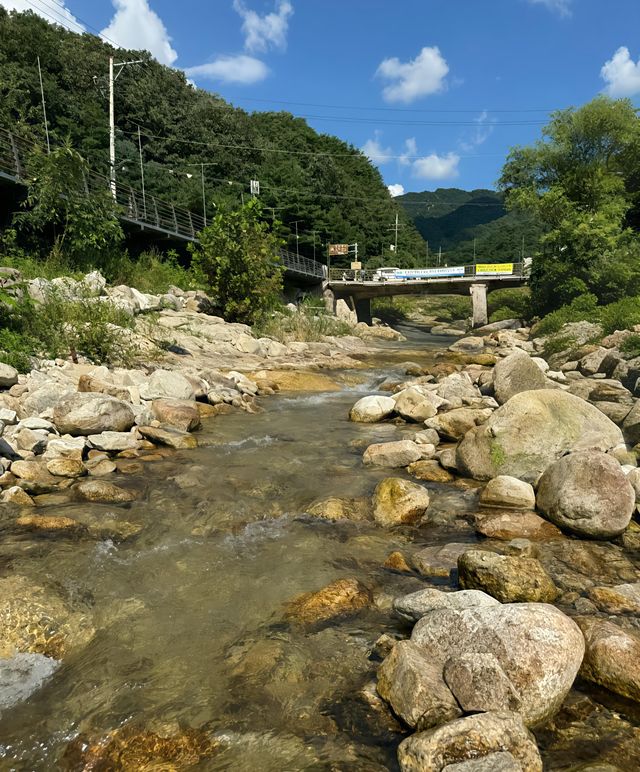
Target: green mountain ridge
451 219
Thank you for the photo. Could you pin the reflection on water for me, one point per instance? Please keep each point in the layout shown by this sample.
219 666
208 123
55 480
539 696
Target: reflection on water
191 630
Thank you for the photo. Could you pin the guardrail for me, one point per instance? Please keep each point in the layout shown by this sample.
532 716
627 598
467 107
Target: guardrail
303 266
411 275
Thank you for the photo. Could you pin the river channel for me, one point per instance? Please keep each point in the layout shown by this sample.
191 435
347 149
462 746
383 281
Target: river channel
190 613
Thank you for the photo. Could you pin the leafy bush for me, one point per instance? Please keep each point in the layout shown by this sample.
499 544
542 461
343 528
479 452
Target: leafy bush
557 343
621 315
153 272
16 349
392 309
583 308
512 303
238 255
631 345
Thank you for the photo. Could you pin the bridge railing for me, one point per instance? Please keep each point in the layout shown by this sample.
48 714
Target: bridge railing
303 266
481 272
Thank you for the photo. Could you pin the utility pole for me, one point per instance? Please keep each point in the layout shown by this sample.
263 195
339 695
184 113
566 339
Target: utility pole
112 120
426 264
44 108
439 255
474 251
396 241
204 199
522 254
144 197
314 245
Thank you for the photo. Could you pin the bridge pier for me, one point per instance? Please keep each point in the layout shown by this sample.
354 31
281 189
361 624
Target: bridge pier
479 304
363 309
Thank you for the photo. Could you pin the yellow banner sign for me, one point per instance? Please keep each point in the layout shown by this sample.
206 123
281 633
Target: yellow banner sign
483 268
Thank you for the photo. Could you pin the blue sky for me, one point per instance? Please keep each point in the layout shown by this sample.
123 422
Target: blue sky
435 91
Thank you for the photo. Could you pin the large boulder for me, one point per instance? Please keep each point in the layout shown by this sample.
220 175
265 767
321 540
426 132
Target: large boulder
413 404
538 648
8 376
612 657
369 410
473 738
92 413
508 579
397 502
588 494
505 491
514 374
181 414
417 604
167 384
530 431
393 454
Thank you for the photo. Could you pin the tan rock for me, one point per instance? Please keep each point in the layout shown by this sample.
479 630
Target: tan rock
505 491
621 599
15 495
99 490
508 579
396 561
88 383
506 525
342 597
167 436
66 467
430 471
358 509
397 501
50 523
392 454
180 414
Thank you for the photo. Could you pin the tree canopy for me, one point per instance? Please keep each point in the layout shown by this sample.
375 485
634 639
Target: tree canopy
582 181
328 186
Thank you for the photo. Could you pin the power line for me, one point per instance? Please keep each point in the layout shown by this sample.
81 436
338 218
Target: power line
64 22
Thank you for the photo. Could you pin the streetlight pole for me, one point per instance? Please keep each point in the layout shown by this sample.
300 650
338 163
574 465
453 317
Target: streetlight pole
204 199
112 120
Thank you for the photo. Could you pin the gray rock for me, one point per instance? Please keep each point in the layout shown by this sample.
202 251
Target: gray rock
505 491
631 425
372 409
414 405
393 454
532 430
167 383
538 647
588 494
8 376
439 560
417 604
470 345
66 447
458 389
92 413
472 738
45 398
509 579
113 441
22 675
454 424
479 684
415 689
502 761
514 374
591 363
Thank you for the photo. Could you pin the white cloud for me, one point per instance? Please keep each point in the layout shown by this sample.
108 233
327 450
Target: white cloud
481 133
51 10
410 152
437 167
231 69
414 79
135 25
264 32
561 7
395 190
621 74
374 150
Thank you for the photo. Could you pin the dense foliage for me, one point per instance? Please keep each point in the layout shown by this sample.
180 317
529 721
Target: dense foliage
582 180
326 185
451 219
237 257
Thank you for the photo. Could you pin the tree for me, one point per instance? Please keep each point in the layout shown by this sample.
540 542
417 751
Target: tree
582 180
238 256
83 220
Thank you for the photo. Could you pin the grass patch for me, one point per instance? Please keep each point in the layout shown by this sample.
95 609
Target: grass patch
555 344
307 324
497 454
511 303
395 309
631 345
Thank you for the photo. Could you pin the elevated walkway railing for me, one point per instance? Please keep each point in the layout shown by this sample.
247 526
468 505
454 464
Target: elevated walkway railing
414 275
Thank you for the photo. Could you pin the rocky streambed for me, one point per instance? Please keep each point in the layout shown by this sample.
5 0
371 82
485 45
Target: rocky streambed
231 574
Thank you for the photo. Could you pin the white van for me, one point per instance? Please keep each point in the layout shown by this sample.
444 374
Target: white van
385 274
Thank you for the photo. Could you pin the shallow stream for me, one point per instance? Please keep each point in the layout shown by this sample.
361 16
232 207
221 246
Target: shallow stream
190 621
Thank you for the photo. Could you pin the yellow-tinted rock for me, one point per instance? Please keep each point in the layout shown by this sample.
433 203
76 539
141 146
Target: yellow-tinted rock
167 436
430 471
99 490
397 501
181 414
342 597
66 467
396 561
297 380
49 523
341 509
16 495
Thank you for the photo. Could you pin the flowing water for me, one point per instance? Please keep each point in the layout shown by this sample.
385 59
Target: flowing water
190 621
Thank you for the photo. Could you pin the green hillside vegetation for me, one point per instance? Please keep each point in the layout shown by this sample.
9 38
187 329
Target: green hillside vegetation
325 184
452 218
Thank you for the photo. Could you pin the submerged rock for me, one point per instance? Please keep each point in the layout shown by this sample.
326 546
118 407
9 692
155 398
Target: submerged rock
587 493
397 501
470 738
342 597
23 674
531 431
334 508
99 490
507 524
430 471
509 579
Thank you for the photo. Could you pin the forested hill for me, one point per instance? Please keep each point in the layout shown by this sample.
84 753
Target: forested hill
328 186
452 218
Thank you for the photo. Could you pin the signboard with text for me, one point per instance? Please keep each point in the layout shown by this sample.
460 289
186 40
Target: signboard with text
357 266
338 249
491 269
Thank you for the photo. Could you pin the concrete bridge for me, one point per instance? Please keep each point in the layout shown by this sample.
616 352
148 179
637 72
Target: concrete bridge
358 288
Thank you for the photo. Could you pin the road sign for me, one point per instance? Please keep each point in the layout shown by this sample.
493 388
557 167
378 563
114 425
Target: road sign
338 249
255 187
357 266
